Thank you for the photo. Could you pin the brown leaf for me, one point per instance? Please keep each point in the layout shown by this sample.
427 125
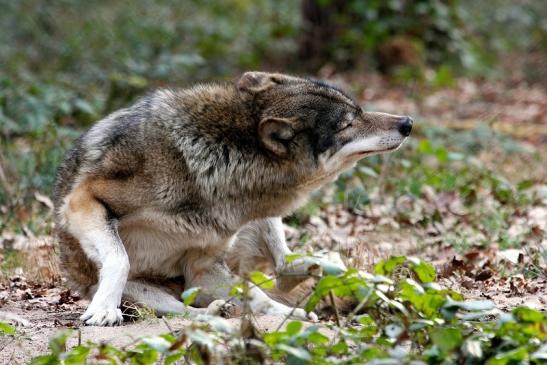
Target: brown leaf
483 275
467 283
473 255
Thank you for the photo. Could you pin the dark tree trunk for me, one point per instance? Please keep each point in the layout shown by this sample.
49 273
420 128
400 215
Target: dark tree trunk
319 30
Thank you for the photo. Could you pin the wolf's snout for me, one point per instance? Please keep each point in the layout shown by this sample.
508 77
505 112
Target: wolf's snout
405 126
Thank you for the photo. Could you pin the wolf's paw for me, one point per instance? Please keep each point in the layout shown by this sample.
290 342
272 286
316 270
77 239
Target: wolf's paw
299 313
215 307
224 309
102 317
302 314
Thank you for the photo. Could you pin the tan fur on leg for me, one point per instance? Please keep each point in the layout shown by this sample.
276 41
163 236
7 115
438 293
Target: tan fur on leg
86 219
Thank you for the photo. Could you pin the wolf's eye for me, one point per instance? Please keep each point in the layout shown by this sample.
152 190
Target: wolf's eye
343 126
346 123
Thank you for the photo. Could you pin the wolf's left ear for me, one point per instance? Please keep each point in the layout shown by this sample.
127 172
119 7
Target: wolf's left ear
275 134
253 82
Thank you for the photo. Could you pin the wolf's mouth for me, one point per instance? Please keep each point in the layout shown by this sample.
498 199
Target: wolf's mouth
367 152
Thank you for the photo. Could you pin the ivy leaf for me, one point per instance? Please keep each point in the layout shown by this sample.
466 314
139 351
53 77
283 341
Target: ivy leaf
369 327
420 323
386 267
324 286
159 344
77 355
540 354
6 329
471 305
217 323
290 258
294 327
44 360
299 353
189 295
262 280
526 314
340 348
57 344
174 357
201 337
316 337
312 302
510 357
472 348
425 272
331 268
237 290
447 339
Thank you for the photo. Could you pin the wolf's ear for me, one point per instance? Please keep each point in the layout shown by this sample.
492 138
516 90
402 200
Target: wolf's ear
253 82
275 134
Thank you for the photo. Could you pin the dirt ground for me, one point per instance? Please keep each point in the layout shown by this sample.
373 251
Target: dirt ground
32 337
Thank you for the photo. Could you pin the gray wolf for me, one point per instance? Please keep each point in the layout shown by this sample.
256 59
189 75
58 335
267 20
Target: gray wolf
163 191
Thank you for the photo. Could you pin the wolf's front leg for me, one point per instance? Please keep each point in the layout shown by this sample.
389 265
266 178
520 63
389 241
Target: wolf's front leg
263 242
88 221
215 278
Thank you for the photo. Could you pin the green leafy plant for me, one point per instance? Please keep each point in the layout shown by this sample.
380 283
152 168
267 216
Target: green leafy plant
401 315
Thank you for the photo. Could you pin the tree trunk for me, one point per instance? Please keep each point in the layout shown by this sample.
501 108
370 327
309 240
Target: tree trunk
319 30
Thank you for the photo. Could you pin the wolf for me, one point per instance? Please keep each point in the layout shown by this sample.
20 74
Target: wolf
170 189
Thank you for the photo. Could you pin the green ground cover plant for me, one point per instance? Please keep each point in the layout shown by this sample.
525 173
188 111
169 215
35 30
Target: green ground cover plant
402 316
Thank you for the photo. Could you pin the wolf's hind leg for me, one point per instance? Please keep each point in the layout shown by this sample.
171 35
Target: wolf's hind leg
161 299
88 221
215 278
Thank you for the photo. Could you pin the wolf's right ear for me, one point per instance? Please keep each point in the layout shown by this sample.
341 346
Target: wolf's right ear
254 82
275 134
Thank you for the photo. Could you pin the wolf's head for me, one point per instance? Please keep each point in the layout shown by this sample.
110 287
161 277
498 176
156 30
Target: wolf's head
316 127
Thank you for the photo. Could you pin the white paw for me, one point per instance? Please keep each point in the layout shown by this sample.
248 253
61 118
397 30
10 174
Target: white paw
312 317
102 317
222 308
302 314
215 306
293 312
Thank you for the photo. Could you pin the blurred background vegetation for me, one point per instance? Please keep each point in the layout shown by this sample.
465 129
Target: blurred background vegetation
67 63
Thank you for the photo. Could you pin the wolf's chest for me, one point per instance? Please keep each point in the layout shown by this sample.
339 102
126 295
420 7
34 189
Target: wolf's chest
157 248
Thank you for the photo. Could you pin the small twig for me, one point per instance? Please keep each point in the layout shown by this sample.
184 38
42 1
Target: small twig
7 343
167 324
133 342
337 315
540 272
258 285
351 315
358 307
298 302
186 360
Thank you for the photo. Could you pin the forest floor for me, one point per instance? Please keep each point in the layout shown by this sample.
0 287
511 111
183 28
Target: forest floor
487 244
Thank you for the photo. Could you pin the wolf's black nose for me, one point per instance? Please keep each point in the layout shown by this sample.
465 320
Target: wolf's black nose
405 126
